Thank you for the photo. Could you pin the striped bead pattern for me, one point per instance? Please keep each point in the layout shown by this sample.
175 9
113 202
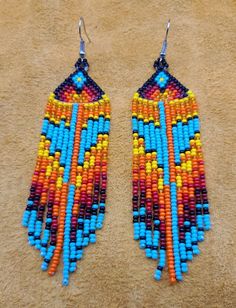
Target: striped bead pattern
170 203
67 197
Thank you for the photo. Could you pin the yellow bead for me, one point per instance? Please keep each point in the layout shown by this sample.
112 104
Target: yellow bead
154 164
86 165
41 145
190 94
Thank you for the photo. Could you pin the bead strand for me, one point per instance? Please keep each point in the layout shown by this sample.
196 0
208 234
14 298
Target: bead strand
135 168
105 143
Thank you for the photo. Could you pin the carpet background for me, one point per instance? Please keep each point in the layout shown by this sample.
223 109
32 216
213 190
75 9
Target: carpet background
39 47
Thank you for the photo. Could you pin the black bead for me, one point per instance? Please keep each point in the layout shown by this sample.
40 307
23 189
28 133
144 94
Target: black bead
47 261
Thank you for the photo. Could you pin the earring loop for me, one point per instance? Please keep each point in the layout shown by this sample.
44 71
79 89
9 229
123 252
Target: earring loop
82 42
161 63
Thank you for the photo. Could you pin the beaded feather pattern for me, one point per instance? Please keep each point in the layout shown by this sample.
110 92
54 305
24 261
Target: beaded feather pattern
170 204
67 197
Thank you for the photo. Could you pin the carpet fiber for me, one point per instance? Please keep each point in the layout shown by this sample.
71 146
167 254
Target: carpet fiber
39 47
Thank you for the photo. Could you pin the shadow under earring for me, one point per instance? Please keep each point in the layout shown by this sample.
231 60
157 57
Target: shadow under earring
170 203
68 192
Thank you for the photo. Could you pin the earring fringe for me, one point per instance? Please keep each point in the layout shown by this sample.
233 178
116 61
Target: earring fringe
170 203
67 197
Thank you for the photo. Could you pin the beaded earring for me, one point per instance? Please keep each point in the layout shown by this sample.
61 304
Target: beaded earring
67 197
170 204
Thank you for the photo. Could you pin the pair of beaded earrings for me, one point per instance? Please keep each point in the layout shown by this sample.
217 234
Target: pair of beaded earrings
67 198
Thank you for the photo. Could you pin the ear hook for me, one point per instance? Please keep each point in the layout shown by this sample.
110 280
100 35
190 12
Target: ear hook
164 44
82 23
82 42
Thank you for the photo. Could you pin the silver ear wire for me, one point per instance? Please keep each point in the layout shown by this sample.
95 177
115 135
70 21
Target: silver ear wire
82 42
164 44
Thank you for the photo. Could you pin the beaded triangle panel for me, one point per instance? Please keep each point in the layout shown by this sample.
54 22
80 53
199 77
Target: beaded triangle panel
170 203
67 197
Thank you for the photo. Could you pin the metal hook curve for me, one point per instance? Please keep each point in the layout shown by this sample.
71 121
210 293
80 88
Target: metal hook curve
167 29
82 24
82 42
164 44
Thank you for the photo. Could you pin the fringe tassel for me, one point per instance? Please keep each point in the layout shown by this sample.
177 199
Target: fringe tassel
67 197
170 203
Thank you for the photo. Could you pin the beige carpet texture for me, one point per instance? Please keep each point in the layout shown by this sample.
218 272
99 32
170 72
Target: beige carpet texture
39 47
